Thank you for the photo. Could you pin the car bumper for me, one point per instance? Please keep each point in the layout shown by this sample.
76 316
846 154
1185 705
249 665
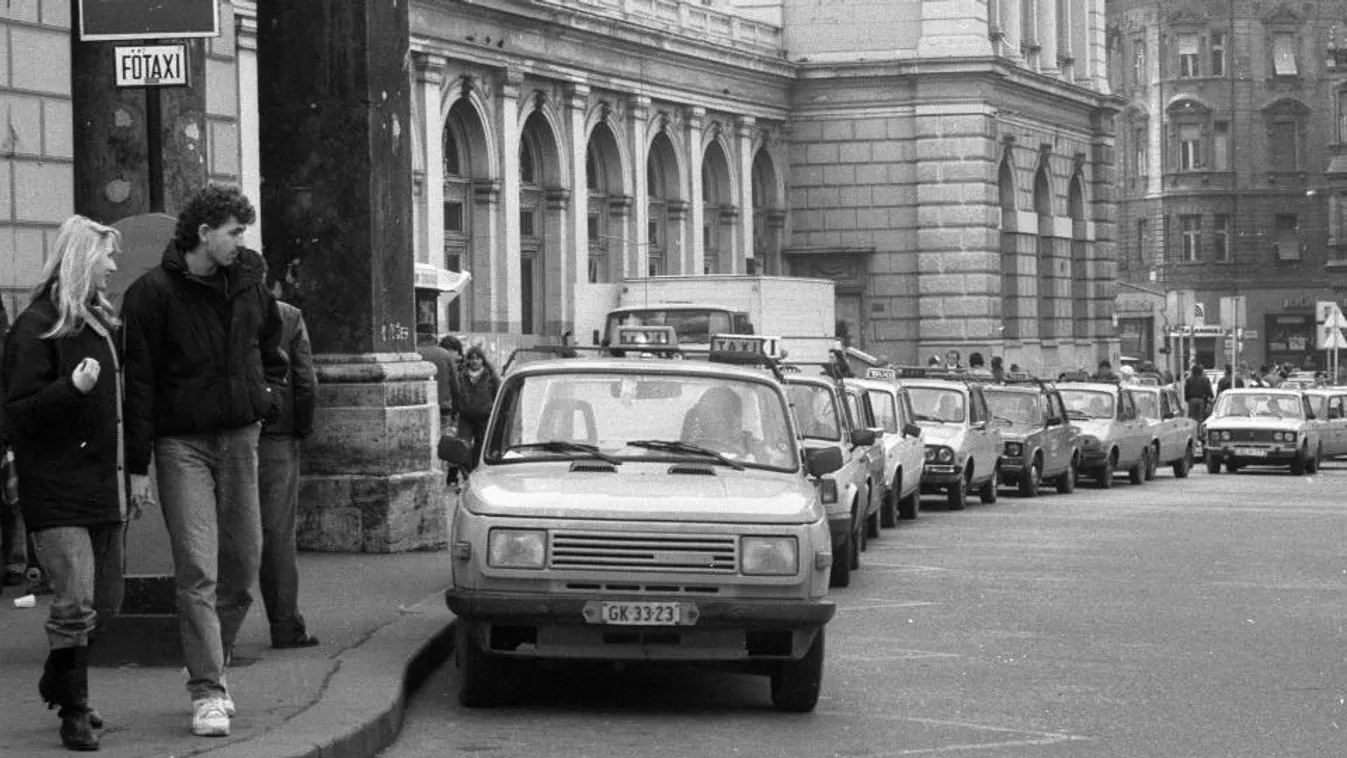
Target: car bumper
547 626
1264 455
938 477
1093 459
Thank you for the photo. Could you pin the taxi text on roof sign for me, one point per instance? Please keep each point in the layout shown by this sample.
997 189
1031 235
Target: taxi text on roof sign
881 373
746 345
152 66
645 336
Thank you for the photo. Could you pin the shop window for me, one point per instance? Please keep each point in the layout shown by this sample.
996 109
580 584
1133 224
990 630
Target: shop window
1220 238
1189 62
1191 243
1217 53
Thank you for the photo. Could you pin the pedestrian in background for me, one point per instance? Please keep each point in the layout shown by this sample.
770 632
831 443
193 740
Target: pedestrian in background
278 463
203 370
477 386
445 378
1229 380
63 404
1197 393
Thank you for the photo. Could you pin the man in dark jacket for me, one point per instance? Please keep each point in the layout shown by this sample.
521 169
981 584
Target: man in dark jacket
1197 392
278 475
203 370
1228 380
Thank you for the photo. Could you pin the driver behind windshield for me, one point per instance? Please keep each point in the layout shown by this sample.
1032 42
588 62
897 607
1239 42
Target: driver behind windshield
717 422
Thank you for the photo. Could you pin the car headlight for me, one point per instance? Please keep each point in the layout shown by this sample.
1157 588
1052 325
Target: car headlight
1225 436
769 556
930 455
1014 449
517 548
944 455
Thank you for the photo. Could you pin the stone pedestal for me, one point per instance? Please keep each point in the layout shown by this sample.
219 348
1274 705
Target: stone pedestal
370 481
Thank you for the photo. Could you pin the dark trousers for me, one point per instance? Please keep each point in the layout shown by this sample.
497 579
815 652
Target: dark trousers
278 579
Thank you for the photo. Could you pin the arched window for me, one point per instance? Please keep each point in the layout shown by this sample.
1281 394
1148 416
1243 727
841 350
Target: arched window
1011 290
1047 257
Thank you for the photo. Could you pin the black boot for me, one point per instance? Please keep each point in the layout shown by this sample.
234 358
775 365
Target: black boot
52 684
77 730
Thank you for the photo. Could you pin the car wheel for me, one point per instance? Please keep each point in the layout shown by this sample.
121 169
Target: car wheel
1137 473
957 494
888 512
1183 465
1312 465
1298 464
841 570
872 525
1104 477
1066 483
910 506
480 675
1231 467
1213 464
796 684
1154 463
1032 479
988 492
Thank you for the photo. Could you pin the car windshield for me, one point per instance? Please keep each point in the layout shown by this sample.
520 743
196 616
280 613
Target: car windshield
618 416
692 325
1261 404
1017 406
1319 404
1148 404
936 405
815 411
1087 403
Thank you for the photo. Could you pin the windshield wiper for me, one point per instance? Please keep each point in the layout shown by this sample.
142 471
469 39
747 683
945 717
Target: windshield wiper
674 446
924 417
1078 415
561 446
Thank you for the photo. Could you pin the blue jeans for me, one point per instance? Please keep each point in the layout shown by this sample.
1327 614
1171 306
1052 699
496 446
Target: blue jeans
208 486
278 476
84 567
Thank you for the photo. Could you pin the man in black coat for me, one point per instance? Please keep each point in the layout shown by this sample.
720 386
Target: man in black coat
204 368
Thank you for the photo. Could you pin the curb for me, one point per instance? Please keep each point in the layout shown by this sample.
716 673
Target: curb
360 710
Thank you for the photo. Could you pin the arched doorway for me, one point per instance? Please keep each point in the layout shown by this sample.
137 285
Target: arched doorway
1046 258
466 248
603 185
768 217
539 223
717 203
666 210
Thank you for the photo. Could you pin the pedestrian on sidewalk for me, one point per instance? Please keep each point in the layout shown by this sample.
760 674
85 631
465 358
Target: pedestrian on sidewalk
278 459
1197 392
445 371
63 405
477 386
203 369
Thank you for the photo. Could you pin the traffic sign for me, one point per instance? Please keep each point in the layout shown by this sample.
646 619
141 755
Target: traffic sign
1336 319
103 20
1330 338
150 66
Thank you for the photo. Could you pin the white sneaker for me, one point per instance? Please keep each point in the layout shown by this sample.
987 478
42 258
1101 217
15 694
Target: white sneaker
226 697
210 718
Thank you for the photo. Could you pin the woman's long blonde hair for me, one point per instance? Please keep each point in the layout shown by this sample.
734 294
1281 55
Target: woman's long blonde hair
67 275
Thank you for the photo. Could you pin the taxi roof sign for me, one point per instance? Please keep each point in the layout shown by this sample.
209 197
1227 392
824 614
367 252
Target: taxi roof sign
745 346
647 336
875 372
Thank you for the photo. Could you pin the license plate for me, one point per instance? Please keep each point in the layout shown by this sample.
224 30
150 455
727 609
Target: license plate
1250 452
641 614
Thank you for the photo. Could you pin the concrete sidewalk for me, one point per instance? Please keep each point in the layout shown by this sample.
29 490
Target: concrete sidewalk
383 626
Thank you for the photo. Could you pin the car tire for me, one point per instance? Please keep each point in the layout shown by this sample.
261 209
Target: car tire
988 493
1184 465
1137 473
840 576
1231 467
958 494
1153 464
1298 465
888 512
872 525
1066 483
1032 479
480 675
1213 464
910 506
1104 477
796 684
1312 465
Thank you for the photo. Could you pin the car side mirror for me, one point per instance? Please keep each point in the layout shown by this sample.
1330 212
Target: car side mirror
879 433
822 461
863 438
911 430
455 451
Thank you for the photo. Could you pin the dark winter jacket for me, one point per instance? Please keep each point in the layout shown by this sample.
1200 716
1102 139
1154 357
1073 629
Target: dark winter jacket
67 444
1197 388
198 359
475 398
300 395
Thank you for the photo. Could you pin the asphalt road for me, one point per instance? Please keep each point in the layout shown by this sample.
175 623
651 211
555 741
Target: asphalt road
1176 619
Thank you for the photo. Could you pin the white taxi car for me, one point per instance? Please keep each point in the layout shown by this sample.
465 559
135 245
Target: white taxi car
963 446
641 509
1173 439
903 441
1263 427
1330 409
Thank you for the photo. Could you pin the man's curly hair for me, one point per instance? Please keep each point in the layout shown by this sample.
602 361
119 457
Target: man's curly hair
212 206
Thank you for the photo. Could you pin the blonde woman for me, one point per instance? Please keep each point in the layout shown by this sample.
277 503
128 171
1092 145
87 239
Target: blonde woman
63 405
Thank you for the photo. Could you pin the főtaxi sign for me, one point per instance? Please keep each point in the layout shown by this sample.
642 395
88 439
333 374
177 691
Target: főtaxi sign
104 20
151 66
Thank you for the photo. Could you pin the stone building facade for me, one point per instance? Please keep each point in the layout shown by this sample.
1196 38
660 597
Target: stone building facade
1231 168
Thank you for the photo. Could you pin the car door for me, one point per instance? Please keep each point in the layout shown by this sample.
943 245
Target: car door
1132 428
864 455
1334 436
1171 433
1056 435
915 461
884 402
985 437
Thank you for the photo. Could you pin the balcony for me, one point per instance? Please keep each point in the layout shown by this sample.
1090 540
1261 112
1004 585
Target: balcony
687 18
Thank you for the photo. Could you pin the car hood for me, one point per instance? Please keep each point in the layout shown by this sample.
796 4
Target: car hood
642 492
1095 427
1255 422
949 435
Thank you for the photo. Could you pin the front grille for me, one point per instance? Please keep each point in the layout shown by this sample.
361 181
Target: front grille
677 553
1247 435
627 589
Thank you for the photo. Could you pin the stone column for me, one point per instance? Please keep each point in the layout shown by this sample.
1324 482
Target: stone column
488 257
558 262
776 232
955 28
1011 33
429 80
743 146
577 244
335 103
692 257
250 160
618 226
676 233
635 257
507 310
1065 49
1047 37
